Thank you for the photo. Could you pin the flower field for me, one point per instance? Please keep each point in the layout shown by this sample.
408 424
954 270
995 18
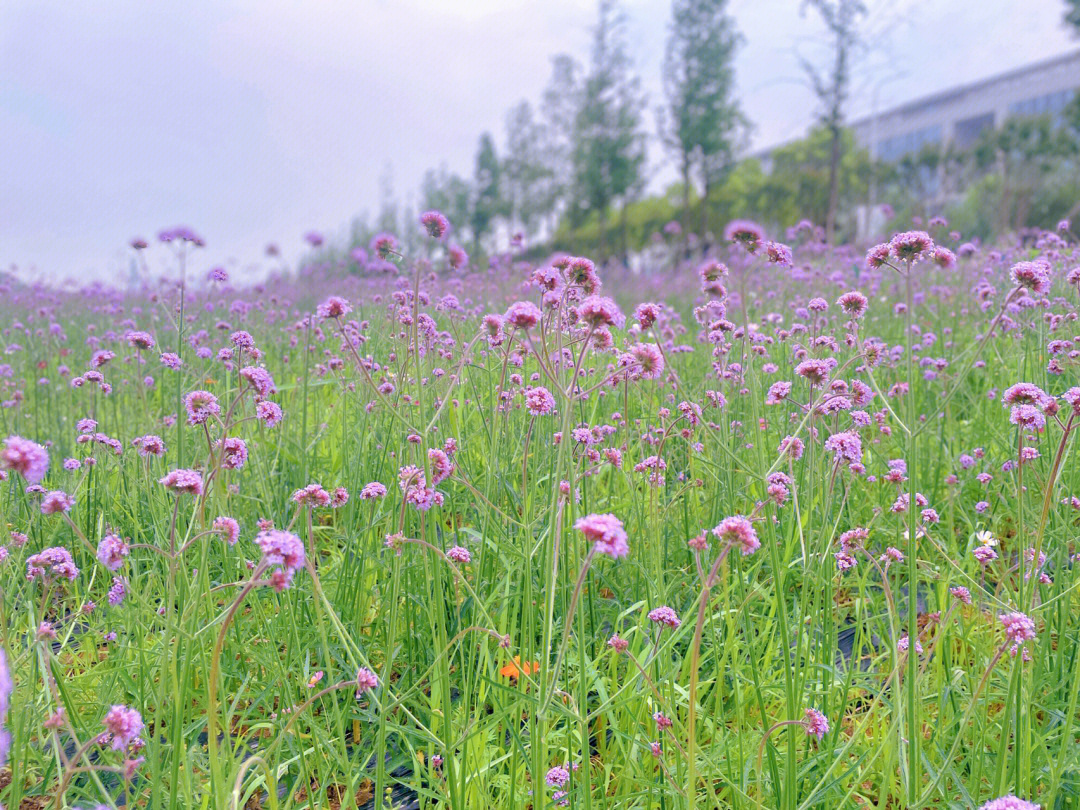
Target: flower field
781 525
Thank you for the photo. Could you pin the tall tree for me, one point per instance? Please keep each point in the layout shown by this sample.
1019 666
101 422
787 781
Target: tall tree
442 191
1072 14
487 200
526 175
701 120
841 18
609 145
559 107
388 204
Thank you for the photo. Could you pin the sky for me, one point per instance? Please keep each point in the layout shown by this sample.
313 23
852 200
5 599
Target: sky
258 120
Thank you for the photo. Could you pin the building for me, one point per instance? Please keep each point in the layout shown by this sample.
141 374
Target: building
959 115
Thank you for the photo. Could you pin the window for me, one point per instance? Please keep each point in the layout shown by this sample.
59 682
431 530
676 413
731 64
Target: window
968 130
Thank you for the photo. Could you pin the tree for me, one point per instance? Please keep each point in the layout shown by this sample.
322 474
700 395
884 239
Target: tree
1072 14
526 175
609 146
800 183
487 200
559 107
701 119
841 19
449 193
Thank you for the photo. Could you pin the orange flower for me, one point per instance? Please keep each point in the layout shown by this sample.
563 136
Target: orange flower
515 668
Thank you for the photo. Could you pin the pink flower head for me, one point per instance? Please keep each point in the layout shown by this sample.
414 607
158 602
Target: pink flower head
441 465
791 446
777 253
284 550
664 615
384 244
539 401
646 314
458 554
816 724
911 245
557 776
112 551
1010 802
259 379
1024 393
29 459
183 482
845 446
618 644
201 405
943 257
55 501
522 314
149 445
124 725
878 255
435 224
746 233
852 303
139 340
228 528
598 310
581 272
233 453
312 495
1019 628
333 307
738 531
366 680
648 360
961 593
904 644
1034 276
372 490
606 533
268 412
51 562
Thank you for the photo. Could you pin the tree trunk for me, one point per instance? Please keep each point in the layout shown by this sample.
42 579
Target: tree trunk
834 184
602 222
686 200
706 190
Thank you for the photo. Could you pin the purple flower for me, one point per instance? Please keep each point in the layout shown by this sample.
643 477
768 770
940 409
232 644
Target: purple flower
112 551
738 531
606 533
372 490
333 307
285 551
816 724
664 615
183 482
201 405
1034 276
51 562
55 501
124 724
29 459
366 680
458 554
522 314
435 224
1009 802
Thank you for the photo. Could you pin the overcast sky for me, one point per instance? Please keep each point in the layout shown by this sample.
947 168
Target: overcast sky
257 120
